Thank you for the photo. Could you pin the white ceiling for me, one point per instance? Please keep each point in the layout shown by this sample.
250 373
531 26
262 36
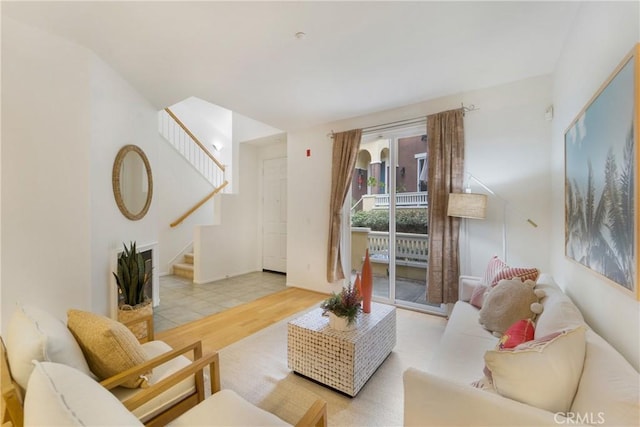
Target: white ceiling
357 57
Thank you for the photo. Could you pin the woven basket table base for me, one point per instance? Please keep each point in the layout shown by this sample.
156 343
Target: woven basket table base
341 360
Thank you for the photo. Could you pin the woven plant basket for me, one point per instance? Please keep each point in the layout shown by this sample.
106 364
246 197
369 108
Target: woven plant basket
127 313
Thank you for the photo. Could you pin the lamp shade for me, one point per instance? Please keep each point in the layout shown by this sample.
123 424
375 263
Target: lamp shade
467 205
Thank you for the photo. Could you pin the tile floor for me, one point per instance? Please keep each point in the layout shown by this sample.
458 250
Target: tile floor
182 301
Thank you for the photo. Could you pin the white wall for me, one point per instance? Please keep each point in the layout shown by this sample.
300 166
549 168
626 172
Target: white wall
234 247
230 249
505 140
119 116
246 129
602 34
46 212
66 114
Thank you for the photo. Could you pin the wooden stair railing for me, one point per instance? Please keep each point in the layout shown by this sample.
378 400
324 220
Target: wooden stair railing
197 205
193 137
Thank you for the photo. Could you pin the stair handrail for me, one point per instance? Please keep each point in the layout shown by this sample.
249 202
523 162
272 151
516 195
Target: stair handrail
197 205
193 137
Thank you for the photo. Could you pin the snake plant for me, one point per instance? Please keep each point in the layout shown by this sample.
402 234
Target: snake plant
132 275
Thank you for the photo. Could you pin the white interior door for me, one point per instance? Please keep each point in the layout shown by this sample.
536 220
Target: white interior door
274 231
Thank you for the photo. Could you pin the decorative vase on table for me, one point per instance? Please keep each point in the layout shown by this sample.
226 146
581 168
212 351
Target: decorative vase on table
343 308
340 323
366 284
358 284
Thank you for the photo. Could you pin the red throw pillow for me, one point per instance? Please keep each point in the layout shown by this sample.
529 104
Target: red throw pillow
518 333
508 273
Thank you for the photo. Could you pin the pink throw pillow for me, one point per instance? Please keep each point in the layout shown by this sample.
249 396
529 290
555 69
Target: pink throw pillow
477 297
508 273
494 267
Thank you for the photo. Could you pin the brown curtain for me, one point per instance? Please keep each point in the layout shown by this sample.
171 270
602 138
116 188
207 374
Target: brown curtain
445 154
345 154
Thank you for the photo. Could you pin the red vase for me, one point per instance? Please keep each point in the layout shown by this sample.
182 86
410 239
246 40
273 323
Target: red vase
366 284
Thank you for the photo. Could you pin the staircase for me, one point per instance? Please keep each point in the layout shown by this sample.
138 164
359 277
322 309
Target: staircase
202 160
184 269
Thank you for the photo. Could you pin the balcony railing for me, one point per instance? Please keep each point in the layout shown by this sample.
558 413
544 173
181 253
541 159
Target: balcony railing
411 249
414 199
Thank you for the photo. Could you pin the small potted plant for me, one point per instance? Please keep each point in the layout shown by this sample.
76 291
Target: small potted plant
343 308
132 278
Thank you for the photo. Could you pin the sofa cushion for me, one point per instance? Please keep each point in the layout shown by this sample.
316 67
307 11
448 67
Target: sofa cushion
167 398
34 334
559 312
459 354
544 373
434 400
63 396
109 347
609 387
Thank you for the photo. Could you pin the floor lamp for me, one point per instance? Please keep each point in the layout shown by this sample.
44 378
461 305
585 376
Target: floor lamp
467 206
504 213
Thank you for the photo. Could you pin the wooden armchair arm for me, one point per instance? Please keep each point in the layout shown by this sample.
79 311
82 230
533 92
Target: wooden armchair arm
11 408
148 319
194 368
316 415
153 391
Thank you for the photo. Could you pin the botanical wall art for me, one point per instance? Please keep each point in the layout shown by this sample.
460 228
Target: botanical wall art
601 179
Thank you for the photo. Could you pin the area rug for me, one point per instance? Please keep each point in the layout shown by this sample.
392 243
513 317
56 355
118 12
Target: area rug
256 368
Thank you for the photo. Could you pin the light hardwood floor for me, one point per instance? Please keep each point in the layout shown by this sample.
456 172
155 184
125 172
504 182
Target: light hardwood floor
221 329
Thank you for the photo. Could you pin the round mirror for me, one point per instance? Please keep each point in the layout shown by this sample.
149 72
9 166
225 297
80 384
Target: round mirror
132 182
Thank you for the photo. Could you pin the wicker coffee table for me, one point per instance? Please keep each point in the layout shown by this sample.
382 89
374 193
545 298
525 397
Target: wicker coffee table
341 360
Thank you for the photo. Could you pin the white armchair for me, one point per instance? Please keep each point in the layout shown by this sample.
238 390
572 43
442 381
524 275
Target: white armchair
63 396
176 392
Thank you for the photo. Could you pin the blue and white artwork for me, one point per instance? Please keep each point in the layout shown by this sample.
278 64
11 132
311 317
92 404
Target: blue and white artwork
600 192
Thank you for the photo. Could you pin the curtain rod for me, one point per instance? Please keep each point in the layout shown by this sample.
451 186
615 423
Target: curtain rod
406 122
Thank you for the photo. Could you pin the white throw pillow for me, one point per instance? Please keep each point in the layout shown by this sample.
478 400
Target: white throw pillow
544 373
34 334
62 396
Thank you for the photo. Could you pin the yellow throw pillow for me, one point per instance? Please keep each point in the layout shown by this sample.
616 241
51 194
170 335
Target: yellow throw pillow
544 373
109 347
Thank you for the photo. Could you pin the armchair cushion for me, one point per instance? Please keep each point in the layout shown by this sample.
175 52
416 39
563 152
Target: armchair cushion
34 334
59 395
168 398
230 410
109 346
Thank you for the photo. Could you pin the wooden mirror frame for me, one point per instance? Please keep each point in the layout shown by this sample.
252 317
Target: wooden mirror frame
115 180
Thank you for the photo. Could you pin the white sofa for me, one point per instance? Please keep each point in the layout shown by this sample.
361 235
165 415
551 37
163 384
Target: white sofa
608 392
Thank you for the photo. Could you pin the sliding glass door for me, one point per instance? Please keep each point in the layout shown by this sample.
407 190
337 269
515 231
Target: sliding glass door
389 215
